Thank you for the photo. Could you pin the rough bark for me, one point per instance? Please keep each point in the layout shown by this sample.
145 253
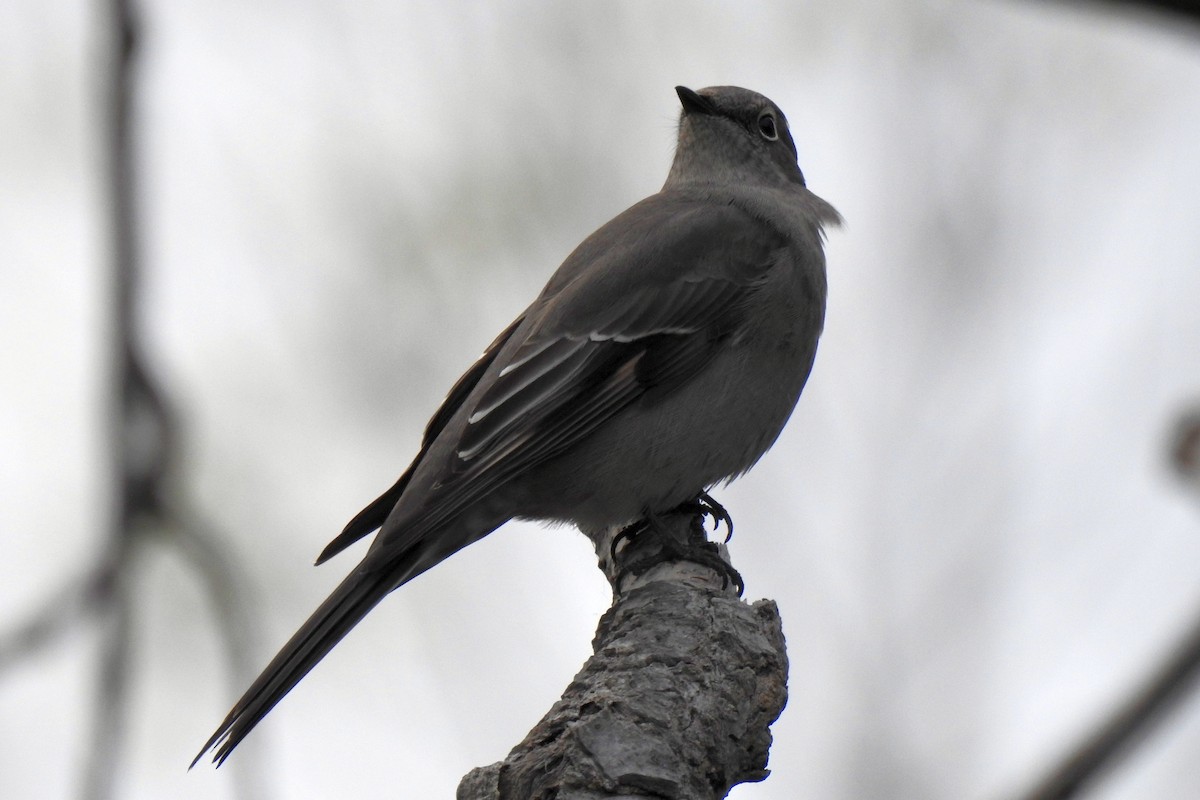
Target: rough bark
676 701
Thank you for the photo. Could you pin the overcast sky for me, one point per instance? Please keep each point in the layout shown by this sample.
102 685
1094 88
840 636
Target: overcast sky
968 525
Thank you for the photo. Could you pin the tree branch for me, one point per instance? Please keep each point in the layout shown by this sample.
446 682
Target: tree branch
676 701
1161 692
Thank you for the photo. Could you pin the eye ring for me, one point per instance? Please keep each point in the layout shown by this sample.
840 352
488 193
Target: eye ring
767 126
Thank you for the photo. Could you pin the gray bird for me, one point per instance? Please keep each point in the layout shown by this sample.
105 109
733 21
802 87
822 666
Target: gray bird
663 357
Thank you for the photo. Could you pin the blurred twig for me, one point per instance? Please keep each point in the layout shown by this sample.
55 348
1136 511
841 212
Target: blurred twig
1184 10
1129 725
1160 693
142 437
1187 9
112 688
1185 449
71 604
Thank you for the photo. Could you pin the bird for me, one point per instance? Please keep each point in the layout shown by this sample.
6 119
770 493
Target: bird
662 358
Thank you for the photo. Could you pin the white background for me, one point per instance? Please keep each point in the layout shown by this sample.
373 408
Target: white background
969 524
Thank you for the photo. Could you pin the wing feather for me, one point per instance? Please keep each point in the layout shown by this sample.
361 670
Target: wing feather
596 349
374 515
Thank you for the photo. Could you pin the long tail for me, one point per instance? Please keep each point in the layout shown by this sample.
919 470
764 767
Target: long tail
412 552
341 611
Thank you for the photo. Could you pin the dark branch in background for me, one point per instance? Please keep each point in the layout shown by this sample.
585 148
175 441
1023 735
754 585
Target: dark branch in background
1170 684
1162 692
677 700
1184 8
1128 727
55 617
1185 450
142 438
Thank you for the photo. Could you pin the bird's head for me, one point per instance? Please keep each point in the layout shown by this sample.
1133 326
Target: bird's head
732 135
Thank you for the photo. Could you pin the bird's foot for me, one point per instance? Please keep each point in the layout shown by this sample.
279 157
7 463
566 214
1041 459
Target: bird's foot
705 507
655 540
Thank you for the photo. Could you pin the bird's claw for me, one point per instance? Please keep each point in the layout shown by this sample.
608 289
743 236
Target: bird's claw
626 534
711 508
696 549
704 506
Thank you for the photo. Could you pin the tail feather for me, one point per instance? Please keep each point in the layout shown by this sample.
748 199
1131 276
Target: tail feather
353 599
369 519
341 611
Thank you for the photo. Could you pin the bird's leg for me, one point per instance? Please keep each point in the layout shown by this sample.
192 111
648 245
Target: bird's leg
655 540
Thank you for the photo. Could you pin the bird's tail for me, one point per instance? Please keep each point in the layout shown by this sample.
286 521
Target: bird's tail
341 611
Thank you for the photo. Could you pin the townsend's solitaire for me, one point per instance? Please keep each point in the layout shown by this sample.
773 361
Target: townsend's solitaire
663 357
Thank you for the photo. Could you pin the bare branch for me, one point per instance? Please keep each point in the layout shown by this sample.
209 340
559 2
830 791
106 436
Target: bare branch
1161 692
142 438
1128 725
676 701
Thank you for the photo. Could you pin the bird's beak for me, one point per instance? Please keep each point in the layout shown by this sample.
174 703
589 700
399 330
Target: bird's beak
694 103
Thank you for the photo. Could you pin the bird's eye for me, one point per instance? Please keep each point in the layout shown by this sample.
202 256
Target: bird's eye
766 126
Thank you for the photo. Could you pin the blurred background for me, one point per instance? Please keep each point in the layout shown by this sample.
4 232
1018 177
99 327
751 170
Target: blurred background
971 524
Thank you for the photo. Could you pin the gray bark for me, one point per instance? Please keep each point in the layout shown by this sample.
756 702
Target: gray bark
676 701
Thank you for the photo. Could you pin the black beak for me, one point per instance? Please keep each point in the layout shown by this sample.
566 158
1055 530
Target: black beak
694 103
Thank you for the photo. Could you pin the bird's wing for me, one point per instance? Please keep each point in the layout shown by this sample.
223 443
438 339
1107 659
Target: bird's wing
371 517
644 319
